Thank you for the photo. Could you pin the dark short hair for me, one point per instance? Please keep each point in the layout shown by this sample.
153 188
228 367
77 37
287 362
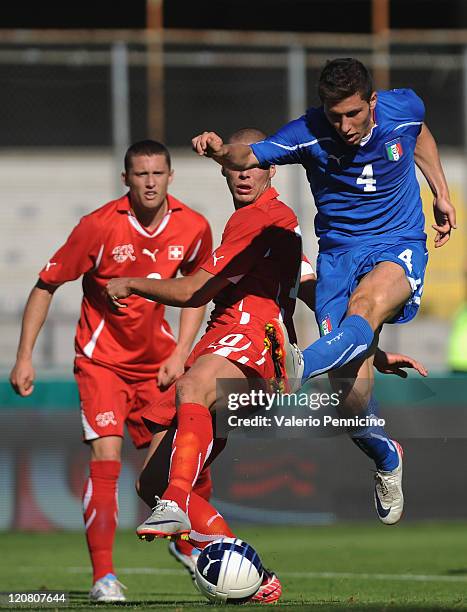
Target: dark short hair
146 147
342 78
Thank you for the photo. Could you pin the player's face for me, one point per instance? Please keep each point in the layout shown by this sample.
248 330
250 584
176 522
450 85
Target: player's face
148 179
352 118
247 185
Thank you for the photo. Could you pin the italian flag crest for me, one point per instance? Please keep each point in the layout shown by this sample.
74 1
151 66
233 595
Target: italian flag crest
394 150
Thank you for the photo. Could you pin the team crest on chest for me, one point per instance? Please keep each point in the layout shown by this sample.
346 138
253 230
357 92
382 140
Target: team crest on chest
394 150
123 252
176 251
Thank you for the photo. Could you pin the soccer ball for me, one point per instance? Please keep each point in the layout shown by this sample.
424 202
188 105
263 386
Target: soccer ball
229 571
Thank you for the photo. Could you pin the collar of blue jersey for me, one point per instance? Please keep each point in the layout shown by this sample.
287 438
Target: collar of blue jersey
366 138
123 204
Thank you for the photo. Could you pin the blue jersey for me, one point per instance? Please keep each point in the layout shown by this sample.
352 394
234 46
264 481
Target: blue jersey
364 193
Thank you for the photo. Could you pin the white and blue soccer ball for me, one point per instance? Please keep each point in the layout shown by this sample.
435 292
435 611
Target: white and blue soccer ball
229 571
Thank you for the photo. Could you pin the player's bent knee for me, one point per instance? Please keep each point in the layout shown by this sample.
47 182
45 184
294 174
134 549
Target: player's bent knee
360 304
373 308
184 385
108 448
190 389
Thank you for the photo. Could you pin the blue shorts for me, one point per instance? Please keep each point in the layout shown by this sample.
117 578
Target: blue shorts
340 272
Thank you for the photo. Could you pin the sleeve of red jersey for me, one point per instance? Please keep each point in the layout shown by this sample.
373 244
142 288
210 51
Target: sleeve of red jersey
199 251
80 253
243 242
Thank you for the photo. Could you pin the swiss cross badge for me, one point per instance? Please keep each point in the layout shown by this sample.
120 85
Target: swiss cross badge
175 251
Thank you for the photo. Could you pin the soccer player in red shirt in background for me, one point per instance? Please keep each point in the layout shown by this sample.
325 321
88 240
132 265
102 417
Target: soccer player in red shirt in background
126 360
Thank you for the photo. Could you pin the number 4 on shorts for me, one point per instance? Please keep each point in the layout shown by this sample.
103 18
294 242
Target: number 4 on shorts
406 257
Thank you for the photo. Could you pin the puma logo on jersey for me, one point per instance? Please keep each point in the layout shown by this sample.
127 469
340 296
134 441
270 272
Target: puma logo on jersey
123 252
216 259
338 159
49 265
150 254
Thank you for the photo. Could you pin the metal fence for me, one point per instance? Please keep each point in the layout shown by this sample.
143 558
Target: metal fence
81 88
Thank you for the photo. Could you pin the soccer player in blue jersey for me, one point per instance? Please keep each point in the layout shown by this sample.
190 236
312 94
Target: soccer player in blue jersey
359 150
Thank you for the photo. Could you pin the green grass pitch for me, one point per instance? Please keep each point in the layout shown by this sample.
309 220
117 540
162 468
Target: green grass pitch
342 567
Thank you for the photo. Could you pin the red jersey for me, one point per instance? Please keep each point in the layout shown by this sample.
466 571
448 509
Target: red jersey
260 254
110 242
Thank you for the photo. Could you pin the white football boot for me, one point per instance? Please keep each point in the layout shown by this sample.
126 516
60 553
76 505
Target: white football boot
107 590
389 499
167 520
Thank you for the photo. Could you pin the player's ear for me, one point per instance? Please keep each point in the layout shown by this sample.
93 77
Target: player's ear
272 171
171 176
373 100
125 179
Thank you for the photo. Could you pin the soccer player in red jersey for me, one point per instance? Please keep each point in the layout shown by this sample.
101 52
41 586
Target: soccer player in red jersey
127 360
252 274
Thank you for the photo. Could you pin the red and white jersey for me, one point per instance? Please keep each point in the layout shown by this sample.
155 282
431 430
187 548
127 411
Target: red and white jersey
260 254
109 243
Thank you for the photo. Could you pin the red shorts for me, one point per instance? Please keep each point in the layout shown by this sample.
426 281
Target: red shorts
245 347
108 401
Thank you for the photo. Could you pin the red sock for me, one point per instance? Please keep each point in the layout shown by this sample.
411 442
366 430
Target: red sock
184 547
100 510
203 486
190 449
207 524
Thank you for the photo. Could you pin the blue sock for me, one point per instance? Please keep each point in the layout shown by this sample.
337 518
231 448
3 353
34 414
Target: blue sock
347 342
374 441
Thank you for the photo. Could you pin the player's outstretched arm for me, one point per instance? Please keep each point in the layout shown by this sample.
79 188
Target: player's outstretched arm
427 159
235 156
35 313
190 291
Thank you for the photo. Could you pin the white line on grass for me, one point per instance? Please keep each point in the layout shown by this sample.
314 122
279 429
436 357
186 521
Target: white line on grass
161 571
352 575
345 575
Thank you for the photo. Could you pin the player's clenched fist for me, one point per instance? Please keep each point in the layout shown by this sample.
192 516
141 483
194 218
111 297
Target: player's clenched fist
116 289
22 377
208 143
